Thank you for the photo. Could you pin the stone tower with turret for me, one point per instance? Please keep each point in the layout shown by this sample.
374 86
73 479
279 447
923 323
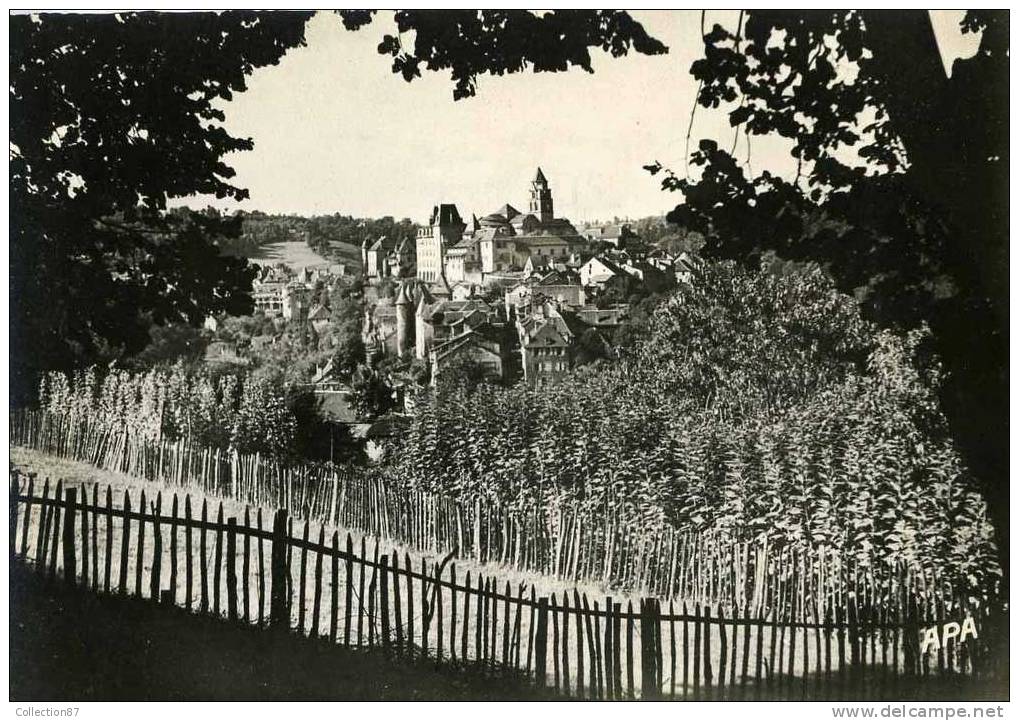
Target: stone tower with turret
541 198
404 320
364 257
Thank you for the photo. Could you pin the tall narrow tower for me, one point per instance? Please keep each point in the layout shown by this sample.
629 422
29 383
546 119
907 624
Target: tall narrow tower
364 258
404 320
541 198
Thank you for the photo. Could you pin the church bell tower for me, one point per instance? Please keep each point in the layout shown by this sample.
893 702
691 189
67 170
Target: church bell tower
541 198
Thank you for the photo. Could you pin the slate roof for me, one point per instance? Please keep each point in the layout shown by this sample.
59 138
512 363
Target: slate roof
485 337
472 311
385 243
508 212
493 232
520 221
319 312
445 214
548 334
539 262
609 265
465 242
610 232
564 276
687 261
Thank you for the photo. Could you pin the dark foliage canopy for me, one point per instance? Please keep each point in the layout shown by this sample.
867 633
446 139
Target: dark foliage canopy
470 43
111 116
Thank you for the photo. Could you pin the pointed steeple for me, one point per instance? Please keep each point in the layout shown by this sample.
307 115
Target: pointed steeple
541 198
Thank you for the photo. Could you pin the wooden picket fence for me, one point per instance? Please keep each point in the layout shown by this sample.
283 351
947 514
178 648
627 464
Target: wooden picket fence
563 541
327 586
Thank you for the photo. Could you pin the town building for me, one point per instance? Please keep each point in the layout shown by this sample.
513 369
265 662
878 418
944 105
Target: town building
685 267
378 330
296 301
319 317
387 258
348 431
279 292
545 346
500 243
650 276
555 339
445 229
559 286
485 345
616 234
463 259
441 320
267 290
598 271
464 291
420 324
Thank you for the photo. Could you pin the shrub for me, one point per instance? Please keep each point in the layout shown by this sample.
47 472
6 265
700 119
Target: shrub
753 404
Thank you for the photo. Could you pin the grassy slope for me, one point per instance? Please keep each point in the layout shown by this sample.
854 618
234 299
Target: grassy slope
347 253
66 645
297 255
77 474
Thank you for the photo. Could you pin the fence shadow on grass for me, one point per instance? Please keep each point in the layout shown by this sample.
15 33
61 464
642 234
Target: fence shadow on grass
69 644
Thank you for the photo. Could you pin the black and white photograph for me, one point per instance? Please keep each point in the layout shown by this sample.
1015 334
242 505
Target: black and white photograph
509 355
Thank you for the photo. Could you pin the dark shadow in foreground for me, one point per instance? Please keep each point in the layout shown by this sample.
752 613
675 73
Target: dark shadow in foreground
67 645
74 646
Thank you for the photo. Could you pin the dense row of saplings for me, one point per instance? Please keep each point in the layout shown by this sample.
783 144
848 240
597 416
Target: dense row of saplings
757 407
760 575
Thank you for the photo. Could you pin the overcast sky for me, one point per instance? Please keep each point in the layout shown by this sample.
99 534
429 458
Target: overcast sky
336 131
